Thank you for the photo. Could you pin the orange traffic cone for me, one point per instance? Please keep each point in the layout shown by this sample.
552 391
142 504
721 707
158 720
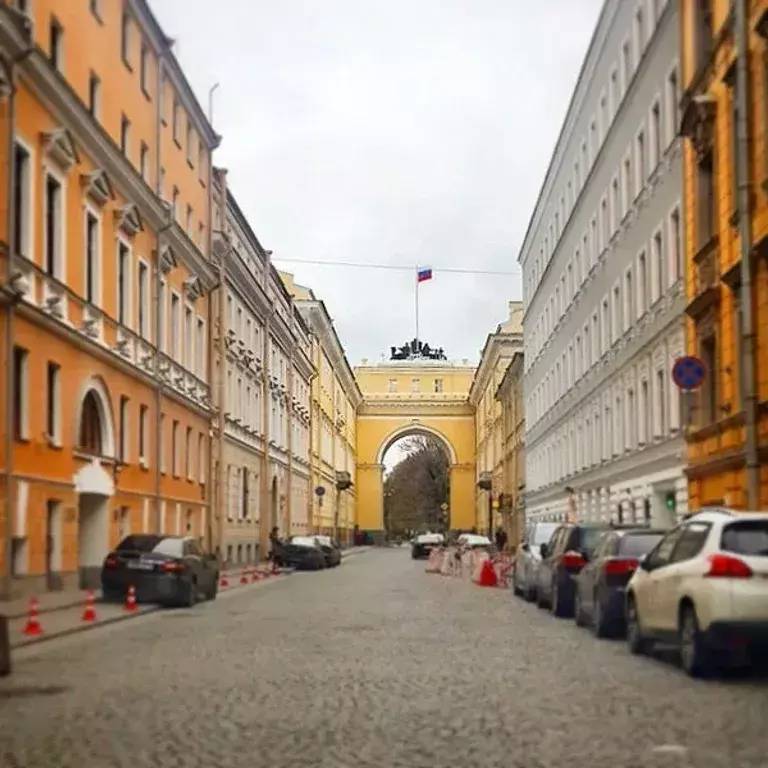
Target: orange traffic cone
244 576
89 614
32 628
488 575
130 601
224 581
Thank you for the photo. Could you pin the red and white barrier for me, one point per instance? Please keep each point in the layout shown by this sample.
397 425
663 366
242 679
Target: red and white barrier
435 562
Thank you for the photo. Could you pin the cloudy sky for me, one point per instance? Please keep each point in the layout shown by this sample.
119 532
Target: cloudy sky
394 132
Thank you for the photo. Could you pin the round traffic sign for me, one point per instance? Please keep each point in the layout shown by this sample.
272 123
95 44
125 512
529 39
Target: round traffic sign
319 491
688 372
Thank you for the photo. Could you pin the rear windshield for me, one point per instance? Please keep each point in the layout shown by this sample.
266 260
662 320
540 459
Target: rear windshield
638 544
161 545
542 533
303 541
749 537
589 537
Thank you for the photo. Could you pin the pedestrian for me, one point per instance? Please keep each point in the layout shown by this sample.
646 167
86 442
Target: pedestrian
501 539
275 547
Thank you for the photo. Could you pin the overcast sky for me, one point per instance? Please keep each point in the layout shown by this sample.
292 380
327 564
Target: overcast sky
388 132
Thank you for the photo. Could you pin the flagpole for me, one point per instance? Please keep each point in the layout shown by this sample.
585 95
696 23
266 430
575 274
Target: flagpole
417 305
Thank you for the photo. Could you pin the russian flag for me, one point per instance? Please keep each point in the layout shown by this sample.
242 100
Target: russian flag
423 273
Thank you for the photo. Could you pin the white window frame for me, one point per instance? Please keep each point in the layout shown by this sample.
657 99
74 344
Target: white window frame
201 458
641 164
147 308
627 68
175 448
143 435
679 263
28 195
671 102
175 326
657 265
189 343
89 210
128 320
124 421
60 255
655 152
200 358
55 436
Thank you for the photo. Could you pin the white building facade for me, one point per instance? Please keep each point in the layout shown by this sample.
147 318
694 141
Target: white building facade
262 376
603 275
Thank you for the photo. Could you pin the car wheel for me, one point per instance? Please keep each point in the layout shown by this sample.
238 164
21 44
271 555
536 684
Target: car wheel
190 598
695 656
214 590
529 593
578 611
599 624
515 588
635 641
541 601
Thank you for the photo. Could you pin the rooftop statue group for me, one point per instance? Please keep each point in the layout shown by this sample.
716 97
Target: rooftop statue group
416 349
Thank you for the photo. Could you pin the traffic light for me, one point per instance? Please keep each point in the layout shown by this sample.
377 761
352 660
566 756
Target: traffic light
671 501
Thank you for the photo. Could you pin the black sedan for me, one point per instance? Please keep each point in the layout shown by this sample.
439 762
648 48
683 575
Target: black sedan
422 545
331 549
303 553
600 587
170 570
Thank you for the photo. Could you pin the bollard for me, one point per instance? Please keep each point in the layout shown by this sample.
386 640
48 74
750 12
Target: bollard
5 646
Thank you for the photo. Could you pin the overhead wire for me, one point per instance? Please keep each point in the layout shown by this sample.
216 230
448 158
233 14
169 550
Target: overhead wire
397 267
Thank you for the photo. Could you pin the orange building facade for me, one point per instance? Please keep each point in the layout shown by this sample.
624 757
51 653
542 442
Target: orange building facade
724 112
105 156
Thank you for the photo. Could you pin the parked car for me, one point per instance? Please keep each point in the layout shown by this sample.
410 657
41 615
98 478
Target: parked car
704 587
161 569
601 584
423 544
528 558
562 558
303 553
332 550
474 541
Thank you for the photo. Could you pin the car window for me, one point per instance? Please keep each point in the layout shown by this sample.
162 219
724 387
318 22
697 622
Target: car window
139 543
588 538
691 542
554 542
191 547
541 533
748 537
660 556
638 544
604 546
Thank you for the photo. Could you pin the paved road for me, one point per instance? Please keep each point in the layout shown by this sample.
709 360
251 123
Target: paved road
373 664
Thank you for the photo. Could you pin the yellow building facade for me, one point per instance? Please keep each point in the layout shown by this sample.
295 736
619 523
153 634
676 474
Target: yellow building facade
106 280
499 348
407 397
512 498
335 399
724 118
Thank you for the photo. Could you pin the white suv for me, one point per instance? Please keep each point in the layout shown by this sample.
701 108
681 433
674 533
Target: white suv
705 587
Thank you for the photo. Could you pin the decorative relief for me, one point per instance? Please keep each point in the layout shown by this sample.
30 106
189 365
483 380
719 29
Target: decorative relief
128 219
97 186
59 146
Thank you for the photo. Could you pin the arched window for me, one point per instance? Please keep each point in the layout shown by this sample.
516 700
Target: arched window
90 426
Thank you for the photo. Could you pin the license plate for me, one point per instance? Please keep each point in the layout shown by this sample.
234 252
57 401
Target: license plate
138 565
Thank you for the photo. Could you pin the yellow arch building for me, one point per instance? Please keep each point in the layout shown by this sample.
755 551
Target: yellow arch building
407 397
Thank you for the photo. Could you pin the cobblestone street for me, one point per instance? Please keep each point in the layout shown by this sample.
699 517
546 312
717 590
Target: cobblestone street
372 664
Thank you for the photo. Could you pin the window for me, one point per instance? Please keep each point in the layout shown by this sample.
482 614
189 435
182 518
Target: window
143 425
201 160
125 134
672 105
201 458
188 222
144 70
657 267
392 385
89 437
175 118
639 33
642 284
656 139
91 258
125 40
190 143
706 213
708 390
626 64
175 204
675 247
21 198
123 283
644 412
659 410
175 326
94 95
617 320
143 300
189 338
56 44
629 299
53 410
144 162
603 116
162 310
175 448
614 93
415 385
124 448
615 205
53 223
162 443
627 188
606 329
188 454
640 162
605 224
200 352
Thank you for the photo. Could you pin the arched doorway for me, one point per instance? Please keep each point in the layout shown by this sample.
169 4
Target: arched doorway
94 485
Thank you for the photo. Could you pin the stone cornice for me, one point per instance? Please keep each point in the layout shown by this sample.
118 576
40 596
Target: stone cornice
498 346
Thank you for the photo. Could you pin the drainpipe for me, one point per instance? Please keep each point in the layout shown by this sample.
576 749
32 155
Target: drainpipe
212 487
289 409
312 496
12 298
266 508
221 349
748 346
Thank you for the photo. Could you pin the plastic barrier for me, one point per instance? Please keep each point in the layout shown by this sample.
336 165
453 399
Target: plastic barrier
435 562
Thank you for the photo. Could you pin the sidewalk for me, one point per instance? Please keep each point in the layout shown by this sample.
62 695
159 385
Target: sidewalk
60 613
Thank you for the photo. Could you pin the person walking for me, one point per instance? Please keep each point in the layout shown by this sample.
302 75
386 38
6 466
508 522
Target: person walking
501 539
275 547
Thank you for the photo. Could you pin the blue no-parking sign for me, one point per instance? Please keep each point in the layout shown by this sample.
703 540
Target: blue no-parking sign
689 372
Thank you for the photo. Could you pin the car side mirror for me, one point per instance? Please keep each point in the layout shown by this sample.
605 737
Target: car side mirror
645 564
543 550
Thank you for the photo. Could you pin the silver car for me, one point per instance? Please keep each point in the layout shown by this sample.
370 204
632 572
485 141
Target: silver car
529 558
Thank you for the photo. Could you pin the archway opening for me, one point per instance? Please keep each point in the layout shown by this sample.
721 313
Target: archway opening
91 433
416 485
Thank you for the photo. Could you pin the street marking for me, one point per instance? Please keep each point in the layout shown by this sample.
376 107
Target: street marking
670 749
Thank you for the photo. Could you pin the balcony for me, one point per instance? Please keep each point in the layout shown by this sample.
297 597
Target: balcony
705 292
